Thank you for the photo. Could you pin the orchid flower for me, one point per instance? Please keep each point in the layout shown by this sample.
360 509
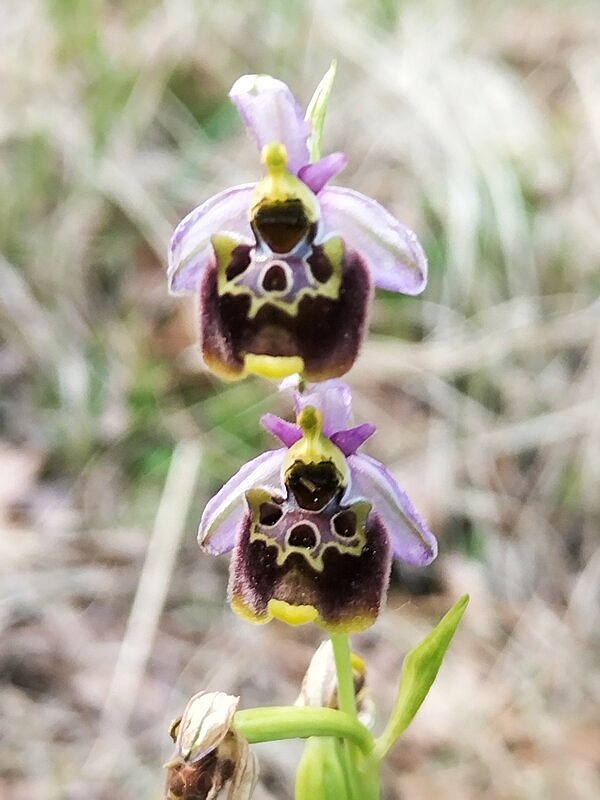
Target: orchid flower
313 525
285 267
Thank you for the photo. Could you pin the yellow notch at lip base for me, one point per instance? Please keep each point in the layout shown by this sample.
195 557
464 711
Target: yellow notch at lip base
293 615
274 367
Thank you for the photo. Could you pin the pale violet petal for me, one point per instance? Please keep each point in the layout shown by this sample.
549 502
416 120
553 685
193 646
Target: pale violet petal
190 250
334 401
271 114
411 539
352 438
224 512
287 432
316 175
391 250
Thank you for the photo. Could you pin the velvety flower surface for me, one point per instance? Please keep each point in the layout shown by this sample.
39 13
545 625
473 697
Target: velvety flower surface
212 761
284 267
314 524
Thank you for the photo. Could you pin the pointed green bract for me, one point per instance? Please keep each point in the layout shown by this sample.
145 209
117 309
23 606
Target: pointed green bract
317 110
419 671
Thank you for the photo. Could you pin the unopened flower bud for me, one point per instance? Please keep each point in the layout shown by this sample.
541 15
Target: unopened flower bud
320 687
211 761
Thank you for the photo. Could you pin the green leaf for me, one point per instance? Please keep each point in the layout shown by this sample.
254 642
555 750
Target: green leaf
419 671
317 110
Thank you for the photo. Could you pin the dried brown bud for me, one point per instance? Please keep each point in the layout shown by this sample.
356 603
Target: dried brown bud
212 761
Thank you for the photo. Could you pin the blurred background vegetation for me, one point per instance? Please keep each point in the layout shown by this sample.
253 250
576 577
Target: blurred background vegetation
478 124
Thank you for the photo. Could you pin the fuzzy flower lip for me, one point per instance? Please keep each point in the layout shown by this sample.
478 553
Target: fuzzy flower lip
271 114
313 525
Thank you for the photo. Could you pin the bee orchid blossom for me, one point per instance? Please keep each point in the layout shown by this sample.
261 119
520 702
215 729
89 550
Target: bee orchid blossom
285 267
314 524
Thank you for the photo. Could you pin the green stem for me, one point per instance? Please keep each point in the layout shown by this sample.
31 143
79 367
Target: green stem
343 665
291 722
346 703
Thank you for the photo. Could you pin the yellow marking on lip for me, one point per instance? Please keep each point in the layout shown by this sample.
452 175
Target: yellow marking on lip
293 615
224 246
273 367
353 625
301 615
240 608
222 369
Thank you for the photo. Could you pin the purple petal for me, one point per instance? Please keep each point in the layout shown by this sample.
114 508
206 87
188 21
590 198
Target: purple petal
316 175
350 440
224 512
334 401
190 250
286 432
392 251
411 539
271 114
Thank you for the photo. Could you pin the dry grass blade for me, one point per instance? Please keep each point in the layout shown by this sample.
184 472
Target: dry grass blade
147 607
